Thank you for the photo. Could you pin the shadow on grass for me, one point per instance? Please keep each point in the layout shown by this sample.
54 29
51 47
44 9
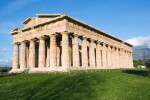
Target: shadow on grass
7 75
61 87
143 73
69 88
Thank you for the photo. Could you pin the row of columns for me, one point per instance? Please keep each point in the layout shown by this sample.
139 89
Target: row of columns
98 55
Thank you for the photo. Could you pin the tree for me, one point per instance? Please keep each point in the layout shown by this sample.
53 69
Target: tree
138 62
4 69
147 63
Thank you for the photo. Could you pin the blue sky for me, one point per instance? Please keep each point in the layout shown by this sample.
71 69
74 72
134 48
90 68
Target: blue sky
126 19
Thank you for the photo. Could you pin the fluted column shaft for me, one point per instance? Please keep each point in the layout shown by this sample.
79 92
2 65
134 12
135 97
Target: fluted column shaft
125 59
70 52
23 62
128 59
113 57
84 53
27 56
121 58
117 57
41 52
75 51
16 57
104 62
32 54
48 56
131 66
109 57
98 55
92 54
65 49
58 52
53 51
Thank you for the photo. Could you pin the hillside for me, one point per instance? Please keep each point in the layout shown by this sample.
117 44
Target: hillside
95 85
138 52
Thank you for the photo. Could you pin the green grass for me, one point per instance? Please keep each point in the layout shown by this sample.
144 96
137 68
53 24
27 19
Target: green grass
90 85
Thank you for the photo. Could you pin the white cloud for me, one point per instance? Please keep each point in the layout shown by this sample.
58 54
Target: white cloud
140 41
3 49
16 5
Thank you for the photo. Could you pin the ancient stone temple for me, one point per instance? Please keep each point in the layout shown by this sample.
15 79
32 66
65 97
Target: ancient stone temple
58 42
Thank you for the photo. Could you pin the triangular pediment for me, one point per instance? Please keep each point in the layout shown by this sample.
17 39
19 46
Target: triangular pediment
40 19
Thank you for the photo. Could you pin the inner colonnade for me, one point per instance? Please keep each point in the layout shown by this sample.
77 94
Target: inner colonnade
69 50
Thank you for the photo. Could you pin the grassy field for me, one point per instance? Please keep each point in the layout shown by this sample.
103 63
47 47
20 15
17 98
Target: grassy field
90 85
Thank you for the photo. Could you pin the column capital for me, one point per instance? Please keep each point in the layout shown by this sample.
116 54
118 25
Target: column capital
92 40
23 42
113 46
109 46
34 39
42 38
84 38
65 32
98 42
53 34
104 44
16 43
75 35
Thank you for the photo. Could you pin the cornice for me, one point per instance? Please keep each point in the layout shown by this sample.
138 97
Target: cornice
63 16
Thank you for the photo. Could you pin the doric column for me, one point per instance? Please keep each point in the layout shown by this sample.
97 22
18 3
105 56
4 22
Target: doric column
109 56
121 58
131 66
27 55
16 57
116 65
113 56
104 51
92 54
32 54
65 49
70 52
75 51
98 55
58 52
48 56
23 62
117 57
53 51
41 52
84 53
125 60
128 61
129 57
